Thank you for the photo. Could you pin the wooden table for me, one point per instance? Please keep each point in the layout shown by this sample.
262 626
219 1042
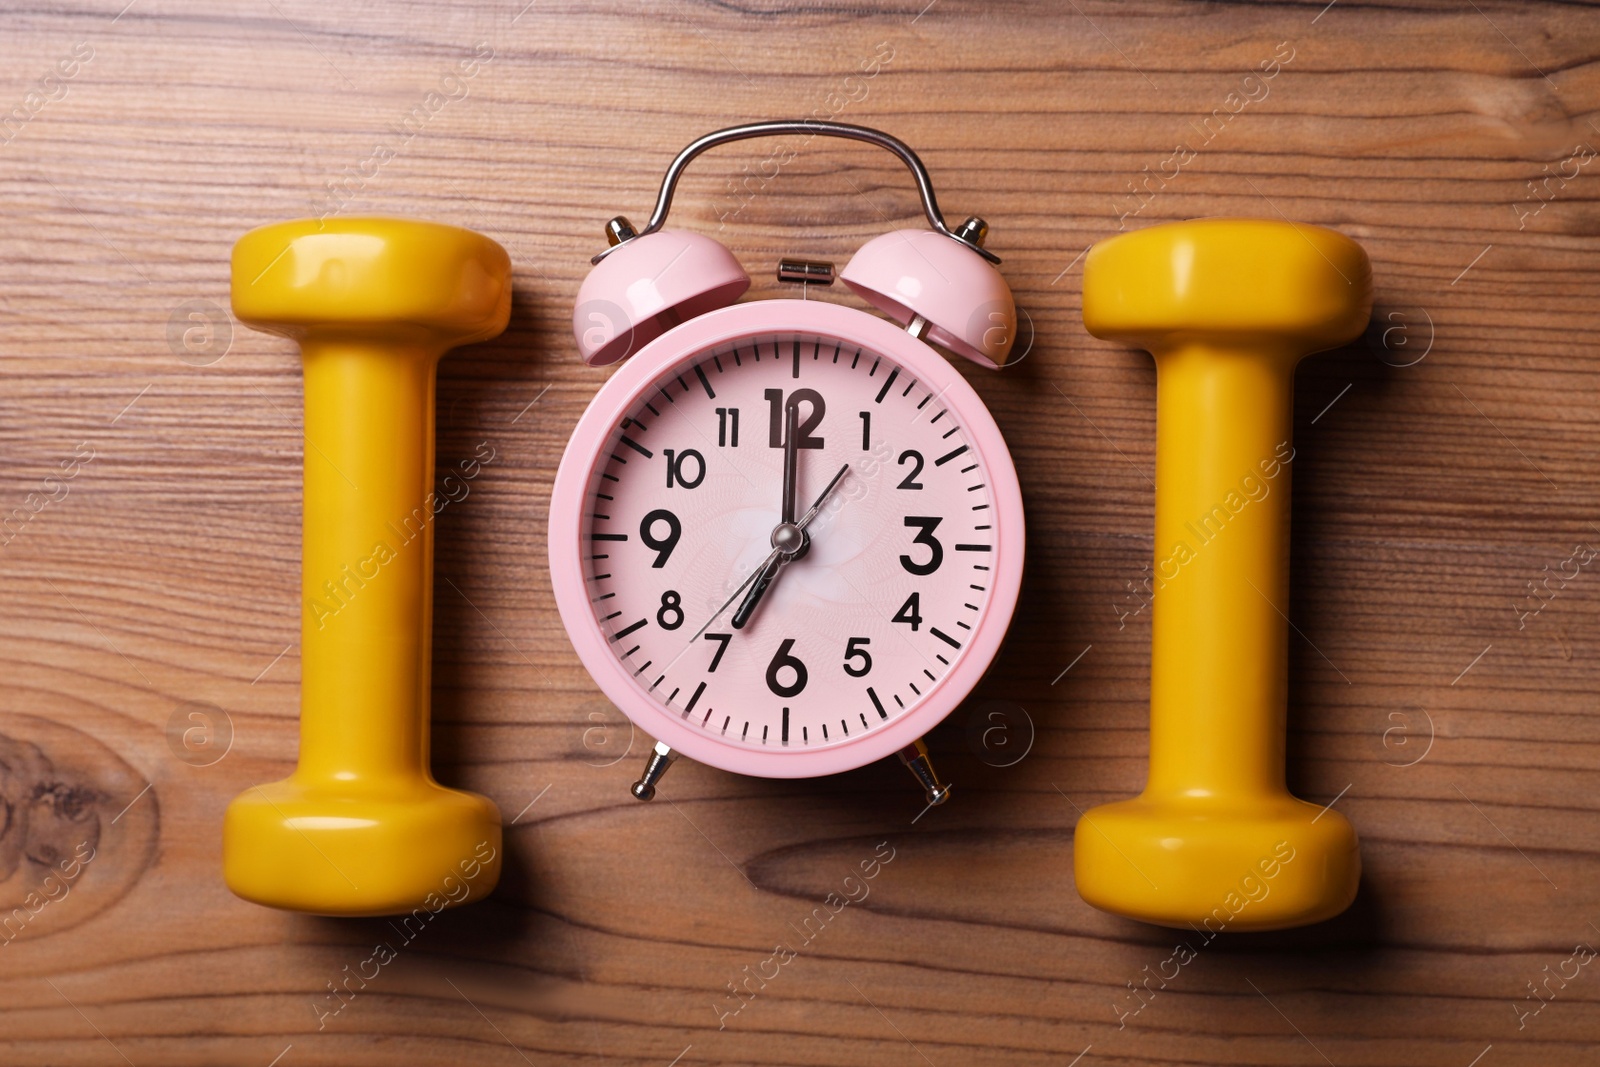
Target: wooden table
147 637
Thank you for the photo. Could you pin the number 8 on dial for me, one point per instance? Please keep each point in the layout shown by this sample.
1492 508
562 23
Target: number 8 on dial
786 538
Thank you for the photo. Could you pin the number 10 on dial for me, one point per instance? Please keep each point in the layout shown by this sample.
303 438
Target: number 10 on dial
786 540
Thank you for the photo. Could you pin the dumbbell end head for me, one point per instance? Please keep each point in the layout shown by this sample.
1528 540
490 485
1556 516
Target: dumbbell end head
1179 862
313 849
1290 287
378 279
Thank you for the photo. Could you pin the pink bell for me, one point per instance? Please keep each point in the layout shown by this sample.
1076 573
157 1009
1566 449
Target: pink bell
647 285
920 274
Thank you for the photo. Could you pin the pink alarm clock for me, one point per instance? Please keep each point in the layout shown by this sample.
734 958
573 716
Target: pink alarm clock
786 538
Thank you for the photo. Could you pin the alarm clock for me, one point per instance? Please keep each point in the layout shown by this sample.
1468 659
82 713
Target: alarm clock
786 537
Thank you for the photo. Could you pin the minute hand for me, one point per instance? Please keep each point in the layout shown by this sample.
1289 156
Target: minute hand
791 462
757 573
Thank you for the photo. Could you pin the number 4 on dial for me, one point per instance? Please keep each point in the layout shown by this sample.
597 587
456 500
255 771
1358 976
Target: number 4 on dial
910 612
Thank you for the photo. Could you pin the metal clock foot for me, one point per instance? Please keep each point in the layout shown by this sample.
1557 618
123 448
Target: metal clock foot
915 757
660 760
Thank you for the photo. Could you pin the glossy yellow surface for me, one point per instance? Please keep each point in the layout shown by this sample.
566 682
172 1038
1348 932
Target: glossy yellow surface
361 827
1228 307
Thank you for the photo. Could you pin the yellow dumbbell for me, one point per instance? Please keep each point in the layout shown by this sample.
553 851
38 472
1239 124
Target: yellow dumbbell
1227 307
361 827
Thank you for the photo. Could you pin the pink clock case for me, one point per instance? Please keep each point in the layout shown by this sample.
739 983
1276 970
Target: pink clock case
588 445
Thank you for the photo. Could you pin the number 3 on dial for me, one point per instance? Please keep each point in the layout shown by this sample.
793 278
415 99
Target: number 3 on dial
924 525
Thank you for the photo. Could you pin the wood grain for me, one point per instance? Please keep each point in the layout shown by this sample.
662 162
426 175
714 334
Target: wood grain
1456 728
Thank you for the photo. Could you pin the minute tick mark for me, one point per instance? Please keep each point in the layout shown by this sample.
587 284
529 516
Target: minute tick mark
628 629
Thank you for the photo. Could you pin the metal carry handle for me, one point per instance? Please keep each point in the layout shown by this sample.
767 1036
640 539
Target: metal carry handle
930 204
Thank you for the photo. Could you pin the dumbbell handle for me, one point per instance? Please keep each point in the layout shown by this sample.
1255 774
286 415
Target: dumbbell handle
1224 423
367 564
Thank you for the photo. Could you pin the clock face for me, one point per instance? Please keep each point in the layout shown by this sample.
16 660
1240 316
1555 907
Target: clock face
862 629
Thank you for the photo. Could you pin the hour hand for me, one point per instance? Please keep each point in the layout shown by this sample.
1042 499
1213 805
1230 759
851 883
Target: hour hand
787 541
747 606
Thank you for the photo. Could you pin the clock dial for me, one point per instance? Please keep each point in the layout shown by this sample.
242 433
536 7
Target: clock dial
863 624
